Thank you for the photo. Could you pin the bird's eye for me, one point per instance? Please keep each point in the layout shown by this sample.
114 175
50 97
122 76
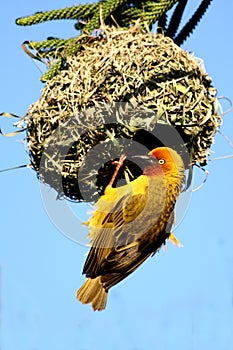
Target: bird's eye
161 161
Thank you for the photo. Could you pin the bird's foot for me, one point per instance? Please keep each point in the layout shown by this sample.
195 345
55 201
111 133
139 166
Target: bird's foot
119 164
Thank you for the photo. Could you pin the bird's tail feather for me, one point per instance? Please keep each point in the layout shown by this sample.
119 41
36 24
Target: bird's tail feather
92 291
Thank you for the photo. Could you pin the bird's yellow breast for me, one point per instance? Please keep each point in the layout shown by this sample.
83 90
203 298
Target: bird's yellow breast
112 196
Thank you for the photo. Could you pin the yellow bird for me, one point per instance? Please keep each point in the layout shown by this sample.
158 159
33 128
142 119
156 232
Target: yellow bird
130 224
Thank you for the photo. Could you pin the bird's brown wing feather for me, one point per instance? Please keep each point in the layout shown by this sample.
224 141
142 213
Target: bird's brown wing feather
114 253
111 237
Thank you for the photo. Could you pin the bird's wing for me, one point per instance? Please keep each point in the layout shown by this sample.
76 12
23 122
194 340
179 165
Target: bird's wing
117 225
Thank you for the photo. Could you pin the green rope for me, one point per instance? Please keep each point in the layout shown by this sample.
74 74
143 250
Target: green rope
55 68
51 48
46 44
105 9
90 16
74 48
73 12
159 8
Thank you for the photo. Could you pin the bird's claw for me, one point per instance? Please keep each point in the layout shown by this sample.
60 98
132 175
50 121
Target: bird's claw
119 164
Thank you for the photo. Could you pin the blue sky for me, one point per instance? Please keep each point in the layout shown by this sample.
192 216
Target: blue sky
179 299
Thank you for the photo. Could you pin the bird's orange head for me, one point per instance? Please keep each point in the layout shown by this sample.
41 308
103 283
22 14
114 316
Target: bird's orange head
169 162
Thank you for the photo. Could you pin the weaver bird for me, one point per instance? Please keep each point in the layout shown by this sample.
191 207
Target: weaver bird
130 224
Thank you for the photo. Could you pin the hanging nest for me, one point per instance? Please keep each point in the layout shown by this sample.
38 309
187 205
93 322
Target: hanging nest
122 85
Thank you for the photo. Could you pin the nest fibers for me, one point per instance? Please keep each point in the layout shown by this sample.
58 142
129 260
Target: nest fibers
110 97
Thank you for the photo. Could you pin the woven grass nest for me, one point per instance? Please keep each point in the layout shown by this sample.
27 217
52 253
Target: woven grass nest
124 88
